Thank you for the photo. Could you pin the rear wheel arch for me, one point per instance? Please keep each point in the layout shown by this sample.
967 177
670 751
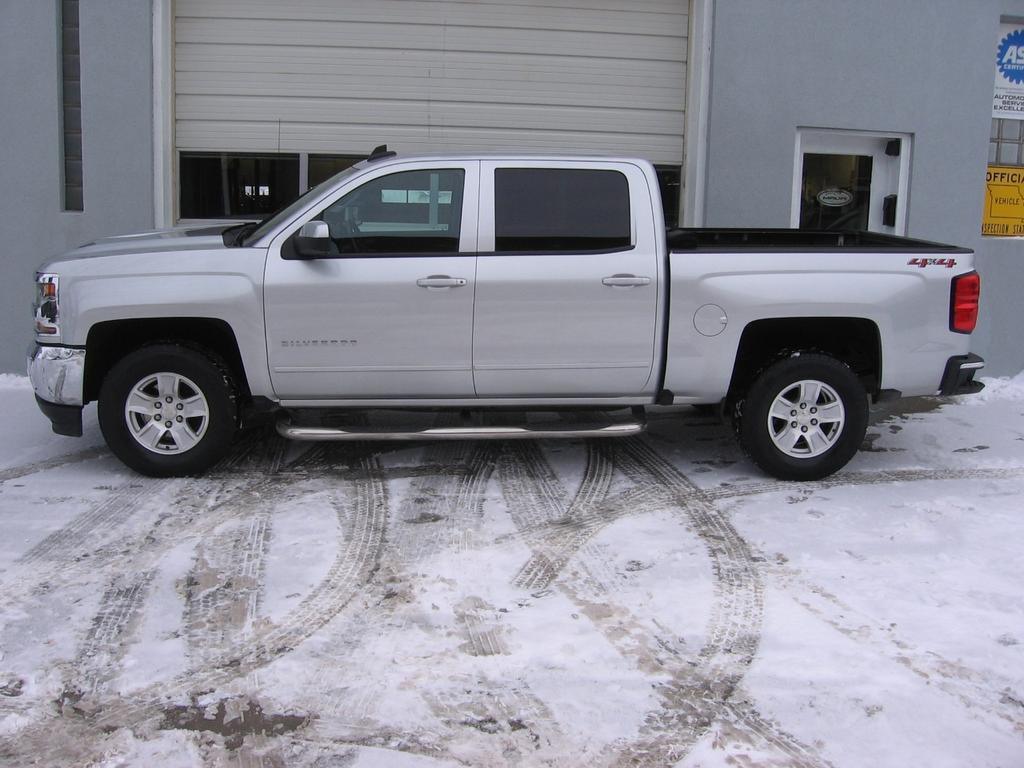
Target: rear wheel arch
854 341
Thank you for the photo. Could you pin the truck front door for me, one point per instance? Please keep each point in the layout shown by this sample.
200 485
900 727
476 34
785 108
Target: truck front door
388 312
567 281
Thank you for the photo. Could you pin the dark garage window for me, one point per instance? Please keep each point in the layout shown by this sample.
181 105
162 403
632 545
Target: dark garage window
71 106
560 209
322 167
669 181
218 185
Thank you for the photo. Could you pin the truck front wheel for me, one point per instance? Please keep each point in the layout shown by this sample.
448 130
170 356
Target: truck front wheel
803 418
168 411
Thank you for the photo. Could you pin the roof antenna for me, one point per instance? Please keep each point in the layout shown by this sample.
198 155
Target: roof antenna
381 152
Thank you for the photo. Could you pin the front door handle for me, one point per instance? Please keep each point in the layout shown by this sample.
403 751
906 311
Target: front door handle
625 281
441 281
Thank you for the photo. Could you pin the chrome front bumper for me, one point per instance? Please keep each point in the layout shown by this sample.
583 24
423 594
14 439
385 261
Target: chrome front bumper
57 374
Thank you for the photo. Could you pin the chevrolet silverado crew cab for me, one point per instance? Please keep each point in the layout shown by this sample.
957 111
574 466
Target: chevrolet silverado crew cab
494 297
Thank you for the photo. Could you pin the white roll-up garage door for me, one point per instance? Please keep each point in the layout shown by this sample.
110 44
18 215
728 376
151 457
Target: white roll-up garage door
341 76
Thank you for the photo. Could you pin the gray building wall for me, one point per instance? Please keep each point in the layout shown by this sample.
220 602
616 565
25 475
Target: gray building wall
117 152
923 67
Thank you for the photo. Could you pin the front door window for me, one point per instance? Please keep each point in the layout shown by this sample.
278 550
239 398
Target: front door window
405 212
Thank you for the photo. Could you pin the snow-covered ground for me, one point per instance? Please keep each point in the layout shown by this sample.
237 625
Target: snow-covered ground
649 601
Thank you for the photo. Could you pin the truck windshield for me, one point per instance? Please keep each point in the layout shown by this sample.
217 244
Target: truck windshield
286 213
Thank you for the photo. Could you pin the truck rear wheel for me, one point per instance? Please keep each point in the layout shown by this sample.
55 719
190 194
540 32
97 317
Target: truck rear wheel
803 418
168 411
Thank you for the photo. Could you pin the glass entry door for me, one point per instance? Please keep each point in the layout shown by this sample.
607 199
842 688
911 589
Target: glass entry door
847 180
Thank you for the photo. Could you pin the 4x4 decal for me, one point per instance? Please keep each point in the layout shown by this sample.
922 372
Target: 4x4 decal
948 263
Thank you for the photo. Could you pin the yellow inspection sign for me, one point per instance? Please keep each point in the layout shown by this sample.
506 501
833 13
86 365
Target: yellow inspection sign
1004 202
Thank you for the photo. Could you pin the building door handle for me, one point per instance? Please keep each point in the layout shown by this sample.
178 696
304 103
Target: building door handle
441 281
625 281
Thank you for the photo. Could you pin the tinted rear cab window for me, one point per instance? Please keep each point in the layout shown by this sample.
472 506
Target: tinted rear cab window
560 210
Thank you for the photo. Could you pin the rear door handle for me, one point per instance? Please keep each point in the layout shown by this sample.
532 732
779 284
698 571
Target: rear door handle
441 281
625 281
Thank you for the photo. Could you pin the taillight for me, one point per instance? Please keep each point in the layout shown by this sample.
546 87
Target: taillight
963 302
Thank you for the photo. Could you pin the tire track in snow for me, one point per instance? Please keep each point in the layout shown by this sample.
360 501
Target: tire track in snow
364 515
228 580
86 530
439 509
363 511
736 713
880 477
745 726
556 544
99 537
354 516
972 689
538 505
202 505
24 470
516 726
552 551
86 679
695 696
224 587
258 449
516 721
698 694
484 635
735 624
110 632
439 513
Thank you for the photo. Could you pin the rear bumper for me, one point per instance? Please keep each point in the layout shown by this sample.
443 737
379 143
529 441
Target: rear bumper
958 378
58 376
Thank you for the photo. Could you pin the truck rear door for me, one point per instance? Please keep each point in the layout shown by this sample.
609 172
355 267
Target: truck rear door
567 280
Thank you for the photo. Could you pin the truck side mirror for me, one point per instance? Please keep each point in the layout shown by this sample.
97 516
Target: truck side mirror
313 240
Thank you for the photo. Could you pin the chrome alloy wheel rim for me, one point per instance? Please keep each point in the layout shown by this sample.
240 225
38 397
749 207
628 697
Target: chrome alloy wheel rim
806 418
166 413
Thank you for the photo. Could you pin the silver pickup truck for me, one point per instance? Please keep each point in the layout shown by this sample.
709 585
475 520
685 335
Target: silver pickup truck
514 295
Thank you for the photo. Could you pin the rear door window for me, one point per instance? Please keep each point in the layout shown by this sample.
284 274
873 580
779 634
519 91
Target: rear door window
558 210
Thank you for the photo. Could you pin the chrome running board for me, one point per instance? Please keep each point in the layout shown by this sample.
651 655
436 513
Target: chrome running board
285 428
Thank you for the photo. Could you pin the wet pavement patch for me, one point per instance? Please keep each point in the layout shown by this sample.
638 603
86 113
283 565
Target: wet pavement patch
426 517
233 719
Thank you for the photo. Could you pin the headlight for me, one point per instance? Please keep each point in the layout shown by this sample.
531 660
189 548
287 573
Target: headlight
47 305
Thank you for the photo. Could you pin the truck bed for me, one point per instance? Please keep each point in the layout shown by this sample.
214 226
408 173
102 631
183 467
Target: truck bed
689 239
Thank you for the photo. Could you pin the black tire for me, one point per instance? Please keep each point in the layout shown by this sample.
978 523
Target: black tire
815 447
196 389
